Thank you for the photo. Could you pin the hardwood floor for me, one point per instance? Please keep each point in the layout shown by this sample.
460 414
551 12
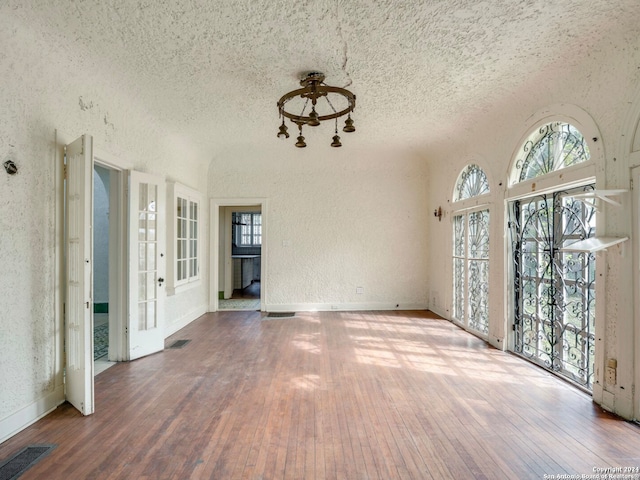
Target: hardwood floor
330 395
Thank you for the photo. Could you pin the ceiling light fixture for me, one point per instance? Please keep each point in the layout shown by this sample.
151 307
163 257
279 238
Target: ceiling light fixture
323 98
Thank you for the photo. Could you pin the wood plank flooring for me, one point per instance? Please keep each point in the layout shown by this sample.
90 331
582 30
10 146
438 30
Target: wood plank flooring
330 395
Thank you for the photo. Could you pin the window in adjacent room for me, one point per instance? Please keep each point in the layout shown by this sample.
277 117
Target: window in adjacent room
249 228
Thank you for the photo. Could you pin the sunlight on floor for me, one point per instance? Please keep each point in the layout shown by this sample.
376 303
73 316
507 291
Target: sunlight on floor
307 382
307 342
436 346
101 364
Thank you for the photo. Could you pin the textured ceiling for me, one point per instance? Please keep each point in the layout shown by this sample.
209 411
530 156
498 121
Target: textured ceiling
213 70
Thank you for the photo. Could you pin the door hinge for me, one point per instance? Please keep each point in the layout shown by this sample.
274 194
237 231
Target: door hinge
631 184
87 304
64 163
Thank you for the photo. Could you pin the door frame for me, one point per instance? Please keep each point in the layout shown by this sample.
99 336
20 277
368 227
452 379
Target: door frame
635 228
214 256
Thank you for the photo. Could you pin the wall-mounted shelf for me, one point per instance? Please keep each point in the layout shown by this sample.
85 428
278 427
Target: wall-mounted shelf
593 244
604 195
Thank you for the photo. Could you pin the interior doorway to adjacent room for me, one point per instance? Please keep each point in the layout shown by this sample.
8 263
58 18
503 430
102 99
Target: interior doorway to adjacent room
239 242
105 271
246 254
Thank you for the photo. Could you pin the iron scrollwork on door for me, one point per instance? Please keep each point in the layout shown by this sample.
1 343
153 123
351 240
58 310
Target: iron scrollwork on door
554 291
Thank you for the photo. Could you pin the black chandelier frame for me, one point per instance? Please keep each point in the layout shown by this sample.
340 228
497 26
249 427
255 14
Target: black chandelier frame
313 89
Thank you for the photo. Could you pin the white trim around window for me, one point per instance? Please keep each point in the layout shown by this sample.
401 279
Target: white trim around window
183 237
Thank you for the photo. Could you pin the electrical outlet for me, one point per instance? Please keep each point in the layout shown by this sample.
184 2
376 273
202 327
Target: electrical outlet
359 290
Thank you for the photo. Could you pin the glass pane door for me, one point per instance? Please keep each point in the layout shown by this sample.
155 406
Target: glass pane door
147 265
554 291
471 270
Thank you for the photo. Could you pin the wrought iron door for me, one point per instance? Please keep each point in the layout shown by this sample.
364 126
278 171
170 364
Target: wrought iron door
554 297
471 270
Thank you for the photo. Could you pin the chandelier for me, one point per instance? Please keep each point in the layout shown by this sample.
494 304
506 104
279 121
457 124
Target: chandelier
327 103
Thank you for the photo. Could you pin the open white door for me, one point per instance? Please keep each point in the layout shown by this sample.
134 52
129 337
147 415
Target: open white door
147 260
79 268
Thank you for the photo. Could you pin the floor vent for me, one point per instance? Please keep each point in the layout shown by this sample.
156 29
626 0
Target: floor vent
22 461
281 314
179 343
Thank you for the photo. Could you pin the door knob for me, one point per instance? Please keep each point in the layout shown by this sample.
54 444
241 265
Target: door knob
160 280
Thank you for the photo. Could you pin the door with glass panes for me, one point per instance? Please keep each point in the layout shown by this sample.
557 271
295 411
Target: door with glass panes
554 287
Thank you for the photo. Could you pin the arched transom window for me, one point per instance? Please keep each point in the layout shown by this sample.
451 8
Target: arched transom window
553 285
471 253
552 147
472 182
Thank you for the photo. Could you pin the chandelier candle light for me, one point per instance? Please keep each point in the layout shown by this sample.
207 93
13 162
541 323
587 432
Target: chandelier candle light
314 89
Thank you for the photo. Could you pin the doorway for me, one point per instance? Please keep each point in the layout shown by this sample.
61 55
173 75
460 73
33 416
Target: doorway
101 268
554 287
132 331
110 252
246 252
239 245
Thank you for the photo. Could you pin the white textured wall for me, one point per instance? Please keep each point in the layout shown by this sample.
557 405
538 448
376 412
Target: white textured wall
48 84
100 235
336 219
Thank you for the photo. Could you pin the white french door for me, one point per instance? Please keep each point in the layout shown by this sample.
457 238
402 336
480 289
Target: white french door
146 229
471 270
79 269
147 261
555 289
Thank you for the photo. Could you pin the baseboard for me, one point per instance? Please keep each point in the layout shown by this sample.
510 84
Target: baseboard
440 313
497 342
30 414
623 404
342 307
184 320
101 307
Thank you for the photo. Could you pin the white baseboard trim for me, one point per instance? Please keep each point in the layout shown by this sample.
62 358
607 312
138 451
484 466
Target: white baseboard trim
440 313
30 414
597 393
342 307
497 342
623 403
185 320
